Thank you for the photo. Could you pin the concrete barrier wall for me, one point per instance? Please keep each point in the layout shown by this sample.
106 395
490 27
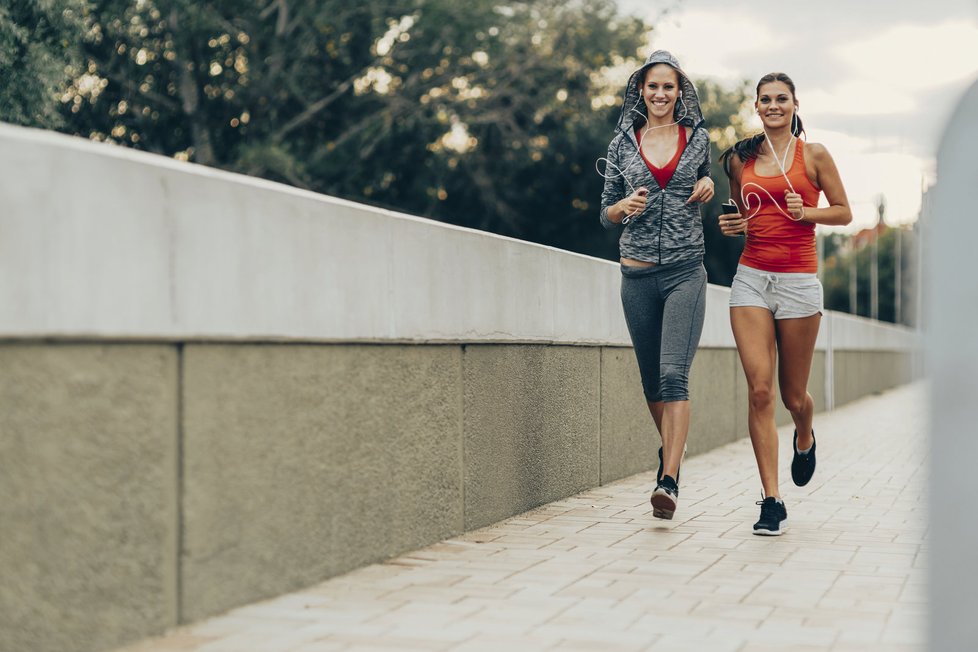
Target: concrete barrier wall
88 488
208 399
308 461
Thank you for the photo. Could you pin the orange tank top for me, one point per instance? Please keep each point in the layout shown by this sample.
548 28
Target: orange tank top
774 242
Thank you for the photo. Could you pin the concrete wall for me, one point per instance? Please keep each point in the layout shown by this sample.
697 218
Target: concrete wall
88 475
207 398
131 245
531 427
159 484
858 373
309 461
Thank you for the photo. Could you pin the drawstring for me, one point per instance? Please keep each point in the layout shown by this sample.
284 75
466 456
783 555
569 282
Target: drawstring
770 280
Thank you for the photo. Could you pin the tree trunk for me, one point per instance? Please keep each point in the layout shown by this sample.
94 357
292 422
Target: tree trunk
190 101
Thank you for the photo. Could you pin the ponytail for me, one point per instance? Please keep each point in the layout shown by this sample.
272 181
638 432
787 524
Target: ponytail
746 150
797 128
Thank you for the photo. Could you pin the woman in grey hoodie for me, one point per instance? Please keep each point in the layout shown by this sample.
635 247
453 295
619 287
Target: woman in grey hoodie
657 175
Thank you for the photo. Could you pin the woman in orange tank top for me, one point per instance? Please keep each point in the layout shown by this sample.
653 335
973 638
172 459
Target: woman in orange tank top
776 298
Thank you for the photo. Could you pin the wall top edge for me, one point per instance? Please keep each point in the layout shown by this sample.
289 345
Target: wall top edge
911 342
30 135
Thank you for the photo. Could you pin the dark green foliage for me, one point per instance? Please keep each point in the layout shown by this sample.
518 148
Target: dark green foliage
37 43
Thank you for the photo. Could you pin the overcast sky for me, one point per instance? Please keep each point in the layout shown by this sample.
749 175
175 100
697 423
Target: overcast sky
876 80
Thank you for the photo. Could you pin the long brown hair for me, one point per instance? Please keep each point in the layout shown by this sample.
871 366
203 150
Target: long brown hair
748 148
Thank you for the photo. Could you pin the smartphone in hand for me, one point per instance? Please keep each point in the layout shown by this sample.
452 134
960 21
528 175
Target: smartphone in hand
729 207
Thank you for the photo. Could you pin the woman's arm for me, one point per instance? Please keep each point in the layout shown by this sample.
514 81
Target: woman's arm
703 188
734 223
632 205
704 169
615 205
613 189
837 213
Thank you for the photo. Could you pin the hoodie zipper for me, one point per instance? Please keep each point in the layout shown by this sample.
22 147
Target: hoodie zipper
662 190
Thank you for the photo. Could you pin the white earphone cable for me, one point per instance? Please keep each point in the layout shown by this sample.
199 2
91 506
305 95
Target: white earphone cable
781 166
648 127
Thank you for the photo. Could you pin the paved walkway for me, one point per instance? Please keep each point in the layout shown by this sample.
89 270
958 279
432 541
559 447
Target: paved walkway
597 572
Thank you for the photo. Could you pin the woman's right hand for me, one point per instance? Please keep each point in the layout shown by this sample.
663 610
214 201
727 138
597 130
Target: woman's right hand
732 224
634 204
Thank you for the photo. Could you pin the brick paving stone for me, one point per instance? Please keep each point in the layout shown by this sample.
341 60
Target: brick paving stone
595 571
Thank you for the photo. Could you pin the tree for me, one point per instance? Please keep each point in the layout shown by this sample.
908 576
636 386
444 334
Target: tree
232 85
488 115
37 40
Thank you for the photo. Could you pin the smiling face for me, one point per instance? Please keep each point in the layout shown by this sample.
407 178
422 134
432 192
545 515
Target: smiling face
660 91
775 104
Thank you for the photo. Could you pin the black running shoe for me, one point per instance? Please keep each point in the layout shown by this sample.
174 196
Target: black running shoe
802 464
665 498
774 518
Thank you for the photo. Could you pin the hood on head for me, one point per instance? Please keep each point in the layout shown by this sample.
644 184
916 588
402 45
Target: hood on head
633 108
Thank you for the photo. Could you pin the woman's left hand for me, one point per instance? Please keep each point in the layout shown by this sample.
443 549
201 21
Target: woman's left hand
795 205
702 191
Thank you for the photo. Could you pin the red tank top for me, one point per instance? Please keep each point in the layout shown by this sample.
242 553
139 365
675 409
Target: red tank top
774 242
664 174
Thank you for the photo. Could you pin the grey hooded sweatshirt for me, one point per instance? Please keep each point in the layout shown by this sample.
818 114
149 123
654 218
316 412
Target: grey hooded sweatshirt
668 230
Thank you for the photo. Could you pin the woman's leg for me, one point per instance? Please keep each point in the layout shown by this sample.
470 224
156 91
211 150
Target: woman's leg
675 430
655 409
796 347
754 332
682 325
642 305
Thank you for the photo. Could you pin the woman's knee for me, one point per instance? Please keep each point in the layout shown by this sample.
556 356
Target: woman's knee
652 394
674 380
761 397
794 401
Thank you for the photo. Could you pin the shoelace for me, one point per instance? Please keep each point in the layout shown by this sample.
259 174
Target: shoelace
768 508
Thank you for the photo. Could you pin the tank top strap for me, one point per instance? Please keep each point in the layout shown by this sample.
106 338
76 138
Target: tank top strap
749 164
800 172
799 150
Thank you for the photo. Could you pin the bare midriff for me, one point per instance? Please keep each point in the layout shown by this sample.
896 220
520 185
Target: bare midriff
631 262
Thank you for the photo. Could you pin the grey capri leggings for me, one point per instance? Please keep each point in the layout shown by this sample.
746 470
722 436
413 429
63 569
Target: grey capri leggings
664 309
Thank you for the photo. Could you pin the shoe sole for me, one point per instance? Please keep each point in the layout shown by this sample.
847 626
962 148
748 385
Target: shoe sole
663 505
773 533
801 484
